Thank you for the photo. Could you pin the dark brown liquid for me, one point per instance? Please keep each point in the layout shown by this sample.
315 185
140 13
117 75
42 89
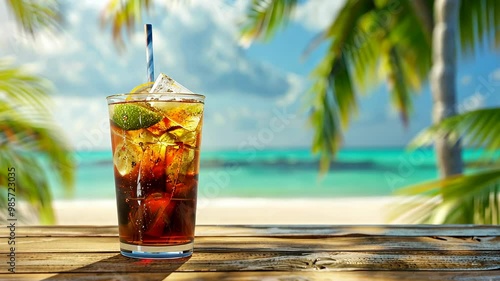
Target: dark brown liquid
161 216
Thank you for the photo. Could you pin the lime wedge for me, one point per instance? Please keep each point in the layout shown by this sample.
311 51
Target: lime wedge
134 117
143 88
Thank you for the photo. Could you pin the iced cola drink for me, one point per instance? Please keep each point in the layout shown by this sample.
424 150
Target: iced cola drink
156 149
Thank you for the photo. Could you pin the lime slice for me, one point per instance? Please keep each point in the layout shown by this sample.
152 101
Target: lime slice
143 88
134 117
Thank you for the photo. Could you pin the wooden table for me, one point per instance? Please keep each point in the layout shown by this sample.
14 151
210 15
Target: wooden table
295 252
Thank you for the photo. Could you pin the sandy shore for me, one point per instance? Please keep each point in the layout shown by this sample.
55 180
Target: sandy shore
364 210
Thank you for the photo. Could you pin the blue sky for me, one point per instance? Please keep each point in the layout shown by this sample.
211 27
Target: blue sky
246 88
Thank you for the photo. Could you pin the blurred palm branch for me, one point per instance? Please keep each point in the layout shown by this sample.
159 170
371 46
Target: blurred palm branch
123 15
30 142
468 198
33 15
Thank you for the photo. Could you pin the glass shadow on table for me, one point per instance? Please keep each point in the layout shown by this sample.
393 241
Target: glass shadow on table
119 267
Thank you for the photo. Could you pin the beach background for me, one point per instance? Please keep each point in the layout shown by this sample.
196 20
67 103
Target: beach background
270 186
256 163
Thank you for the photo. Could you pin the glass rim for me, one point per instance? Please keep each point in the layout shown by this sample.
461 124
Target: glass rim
165 97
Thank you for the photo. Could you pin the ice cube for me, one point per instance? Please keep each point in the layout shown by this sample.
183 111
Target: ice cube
185 114
165 84
174 161
153 163
190 138
180 159
160 128
181 170
166 132
188 155
126 158
178 134
141 137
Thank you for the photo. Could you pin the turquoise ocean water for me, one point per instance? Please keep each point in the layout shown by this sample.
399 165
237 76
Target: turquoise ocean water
279 173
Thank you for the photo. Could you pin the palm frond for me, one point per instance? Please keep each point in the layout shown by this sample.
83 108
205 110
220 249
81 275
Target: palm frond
413 46
479 25
423 12
333 97
362 50
400 95
347 19
264 18
478 128
32 182
406 56
34 15
461 199
333 90
23 88
27 130
30 142
122 15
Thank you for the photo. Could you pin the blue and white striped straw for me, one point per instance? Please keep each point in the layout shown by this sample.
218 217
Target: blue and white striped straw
148 29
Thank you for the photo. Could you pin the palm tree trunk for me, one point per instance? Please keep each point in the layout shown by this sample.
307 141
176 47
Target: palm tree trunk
443 78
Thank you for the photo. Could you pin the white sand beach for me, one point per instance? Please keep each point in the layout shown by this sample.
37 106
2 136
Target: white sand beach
352 210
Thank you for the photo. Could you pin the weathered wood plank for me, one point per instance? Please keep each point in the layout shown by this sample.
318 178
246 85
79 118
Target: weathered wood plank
267 251
351 230
279 230
261 261
263 275
62 231
221 244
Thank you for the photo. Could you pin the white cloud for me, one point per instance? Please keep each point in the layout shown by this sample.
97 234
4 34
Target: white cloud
297 88
466 79
219 119
316 15
495 75
85 121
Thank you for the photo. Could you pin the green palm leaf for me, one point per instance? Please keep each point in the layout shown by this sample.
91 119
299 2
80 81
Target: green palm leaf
265 17
30 142
479 25
22 88
471 198
400 94
333 91
459 199
332 98
123 15
32 184
479 128
34 15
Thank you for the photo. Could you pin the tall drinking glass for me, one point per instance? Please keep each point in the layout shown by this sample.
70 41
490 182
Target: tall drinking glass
156 150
